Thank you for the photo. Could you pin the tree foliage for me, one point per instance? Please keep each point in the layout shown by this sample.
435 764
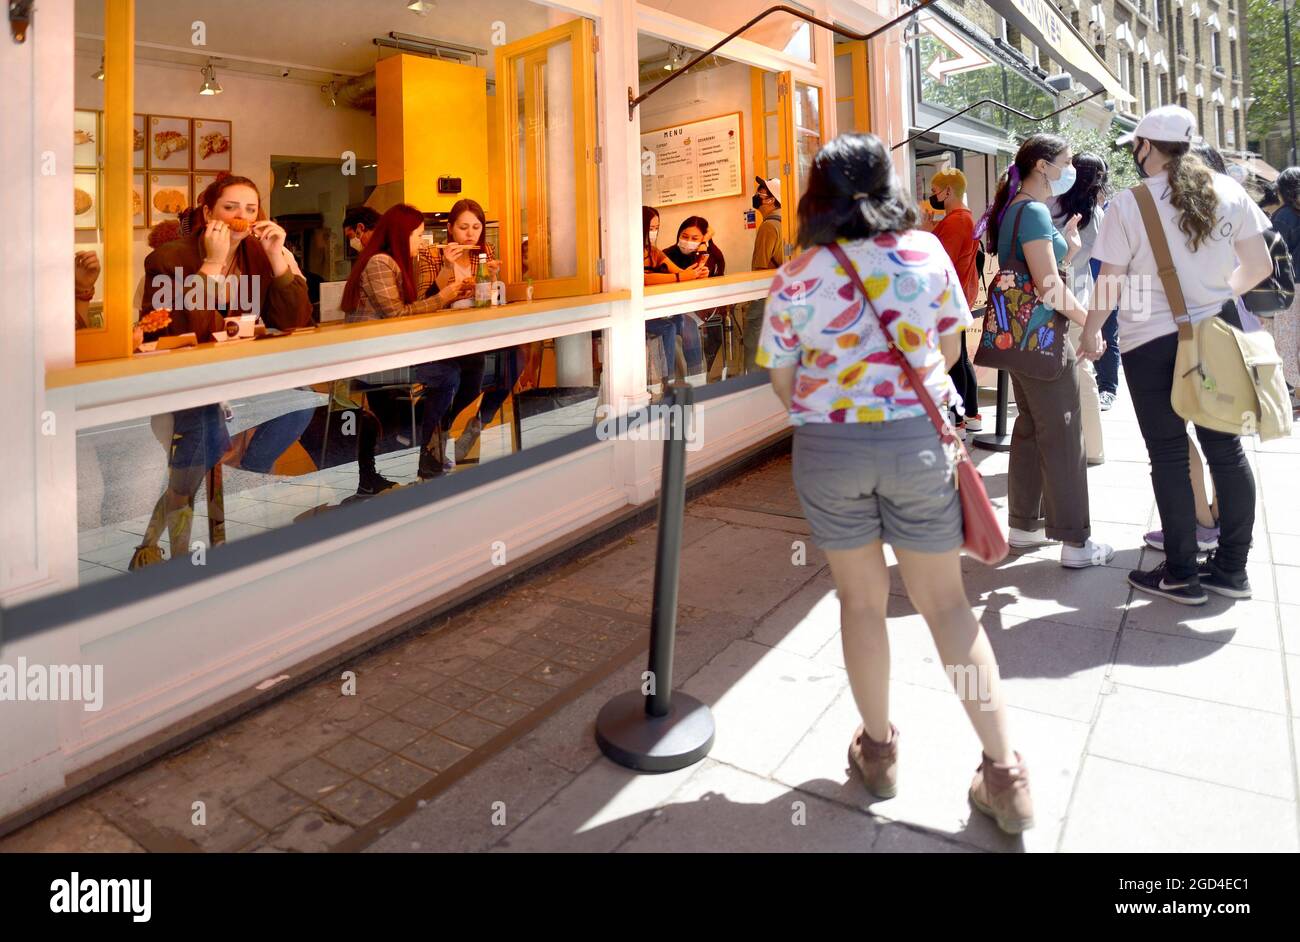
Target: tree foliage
1266 56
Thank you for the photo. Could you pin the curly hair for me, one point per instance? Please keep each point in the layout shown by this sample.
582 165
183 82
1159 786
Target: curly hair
1191 191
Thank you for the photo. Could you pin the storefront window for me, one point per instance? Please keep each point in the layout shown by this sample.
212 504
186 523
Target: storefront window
194 479
366 109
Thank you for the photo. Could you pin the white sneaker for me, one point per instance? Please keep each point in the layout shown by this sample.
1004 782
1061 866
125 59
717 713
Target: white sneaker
1028 539
1089 554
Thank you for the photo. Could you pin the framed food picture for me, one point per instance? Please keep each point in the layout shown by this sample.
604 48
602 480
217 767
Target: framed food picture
85 200
139 188
169 143
201 181
139 135
211 145
169 195
85 139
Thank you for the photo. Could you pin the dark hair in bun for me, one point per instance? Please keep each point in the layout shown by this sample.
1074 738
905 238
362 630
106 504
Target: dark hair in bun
852 193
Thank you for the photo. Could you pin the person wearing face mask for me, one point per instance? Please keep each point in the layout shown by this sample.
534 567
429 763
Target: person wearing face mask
769 252
956 233
1047 481
694 248
659 270
358 225
1215 235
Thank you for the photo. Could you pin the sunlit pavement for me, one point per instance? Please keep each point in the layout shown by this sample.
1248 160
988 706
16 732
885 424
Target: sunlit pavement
1145 725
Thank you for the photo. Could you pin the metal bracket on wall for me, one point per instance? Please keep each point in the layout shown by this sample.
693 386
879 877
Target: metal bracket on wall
20 18
634 100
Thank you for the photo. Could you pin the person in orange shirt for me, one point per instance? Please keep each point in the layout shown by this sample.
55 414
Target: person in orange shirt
956 231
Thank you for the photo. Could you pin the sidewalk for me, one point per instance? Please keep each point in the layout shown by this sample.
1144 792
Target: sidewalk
1146 725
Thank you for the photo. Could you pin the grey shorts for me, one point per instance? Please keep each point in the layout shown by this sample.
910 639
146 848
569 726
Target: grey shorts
868 481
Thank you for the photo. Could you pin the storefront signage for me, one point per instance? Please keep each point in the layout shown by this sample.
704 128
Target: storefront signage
695 161
1045 26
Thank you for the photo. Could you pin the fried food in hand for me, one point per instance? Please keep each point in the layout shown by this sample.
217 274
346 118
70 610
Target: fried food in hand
155 320
239 225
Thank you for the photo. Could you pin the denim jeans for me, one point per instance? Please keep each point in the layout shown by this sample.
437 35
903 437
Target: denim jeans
1107 367
440 380
272 439
668 329
1149 370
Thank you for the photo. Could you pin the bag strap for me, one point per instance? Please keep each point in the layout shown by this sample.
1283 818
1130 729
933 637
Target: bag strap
1015 228
1164 260
946 433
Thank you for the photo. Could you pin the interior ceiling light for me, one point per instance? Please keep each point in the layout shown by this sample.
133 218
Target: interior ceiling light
210 84
98 74
422 7
292 182
332 90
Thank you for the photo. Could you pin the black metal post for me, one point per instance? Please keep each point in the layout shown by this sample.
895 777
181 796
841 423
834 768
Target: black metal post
653 729
999 440
1290 80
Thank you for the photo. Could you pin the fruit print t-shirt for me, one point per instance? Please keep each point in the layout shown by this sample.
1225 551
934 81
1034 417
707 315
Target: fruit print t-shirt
846 373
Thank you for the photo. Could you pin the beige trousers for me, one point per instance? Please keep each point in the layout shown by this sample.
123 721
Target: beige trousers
1089 403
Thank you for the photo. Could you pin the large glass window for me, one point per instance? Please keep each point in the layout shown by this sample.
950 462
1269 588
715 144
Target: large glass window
181 484
332 121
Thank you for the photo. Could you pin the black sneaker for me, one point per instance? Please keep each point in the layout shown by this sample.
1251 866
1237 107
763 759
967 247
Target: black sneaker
371 484
1233 585
1159 582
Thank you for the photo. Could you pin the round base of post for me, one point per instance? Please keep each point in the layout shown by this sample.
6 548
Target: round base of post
633 738
993 442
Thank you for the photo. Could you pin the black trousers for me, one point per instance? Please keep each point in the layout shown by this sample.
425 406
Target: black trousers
963 377
1149 370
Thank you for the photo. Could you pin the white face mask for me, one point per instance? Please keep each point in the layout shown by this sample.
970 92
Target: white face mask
654 236
355 242
1062 184
687 246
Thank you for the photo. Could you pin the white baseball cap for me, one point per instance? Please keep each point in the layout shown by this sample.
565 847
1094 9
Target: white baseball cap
1166 123
773 186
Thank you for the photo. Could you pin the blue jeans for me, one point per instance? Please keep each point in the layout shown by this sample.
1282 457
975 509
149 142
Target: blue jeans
1107 367
668 329
272 439
440 379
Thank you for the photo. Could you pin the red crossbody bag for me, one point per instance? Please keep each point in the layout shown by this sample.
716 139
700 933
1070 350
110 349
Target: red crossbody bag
983 536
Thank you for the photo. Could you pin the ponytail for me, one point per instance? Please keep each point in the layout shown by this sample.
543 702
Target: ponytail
1191 192
1288 187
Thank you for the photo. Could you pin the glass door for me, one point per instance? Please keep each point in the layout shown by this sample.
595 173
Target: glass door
852 92
789 130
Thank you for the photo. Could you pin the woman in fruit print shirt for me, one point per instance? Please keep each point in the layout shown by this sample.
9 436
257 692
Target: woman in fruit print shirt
869 466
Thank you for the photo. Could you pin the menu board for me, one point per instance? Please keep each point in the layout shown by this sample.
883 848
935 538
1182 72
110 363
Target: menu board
690 162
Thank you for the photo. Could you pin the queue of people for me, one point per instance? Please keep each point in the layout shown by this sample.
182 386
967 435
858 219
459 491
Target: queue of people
873 461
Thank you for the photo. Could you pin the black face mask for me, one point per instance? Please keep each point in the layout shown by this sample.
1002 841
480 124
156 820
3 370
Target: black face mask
936 203
758 201
1141 171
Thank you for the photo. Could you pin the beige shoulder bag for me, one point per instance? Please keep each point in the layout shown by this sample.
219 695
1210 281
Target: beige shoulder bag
1224 379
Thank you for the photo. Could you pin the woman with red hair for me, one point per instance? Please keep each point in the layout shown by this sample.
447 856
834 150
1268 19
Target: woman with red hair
391 278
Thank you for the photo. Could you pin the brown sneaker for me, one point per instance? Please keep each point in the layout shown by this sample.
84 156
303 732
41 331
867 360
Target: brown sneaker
876 762
1002 793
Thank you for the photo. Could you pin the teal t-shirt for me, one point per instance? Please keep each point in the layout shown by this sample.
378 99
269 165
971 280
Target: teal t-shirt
1035 224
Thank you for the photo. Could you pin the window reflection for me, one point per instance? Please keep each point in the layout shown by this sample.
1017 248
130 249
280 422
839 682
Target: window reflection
186 482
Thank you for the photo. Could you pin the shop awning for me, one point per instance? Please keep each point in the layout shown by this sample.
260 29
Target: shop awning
1260 168
1048 29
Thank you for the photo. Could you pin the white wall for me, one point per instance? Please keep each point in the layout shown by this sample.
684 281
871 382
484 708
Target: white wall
708 94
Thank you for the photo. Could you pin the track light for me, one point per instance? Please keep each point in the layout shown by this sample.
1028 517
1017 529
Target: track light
98 74
210 84
292 182
422 7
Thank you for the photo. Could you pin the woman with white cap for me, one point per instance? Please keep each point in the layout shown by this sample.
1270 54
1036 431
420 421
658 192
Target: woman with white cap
1214 231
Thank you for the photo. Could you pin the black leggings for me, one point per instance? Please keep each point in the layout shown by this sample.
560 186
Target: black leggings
1149 370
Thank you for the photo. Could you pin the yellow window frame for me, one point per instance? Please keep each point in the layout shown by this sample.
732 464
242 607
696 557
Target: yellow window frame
859 90
531 51
113 339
